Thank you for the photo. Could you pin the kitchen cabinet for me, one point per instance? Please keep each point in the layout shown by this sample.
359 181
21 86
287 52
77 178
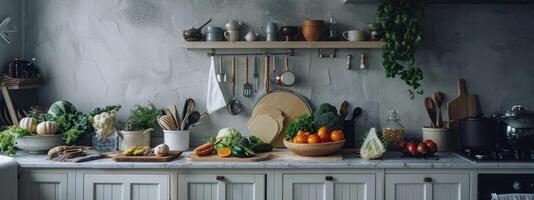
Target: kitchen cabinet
221 186
46 185
329 186
427 187
125 187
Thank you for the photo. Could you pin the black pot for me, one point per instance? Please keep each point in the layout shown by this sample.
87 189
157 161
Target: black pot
479 133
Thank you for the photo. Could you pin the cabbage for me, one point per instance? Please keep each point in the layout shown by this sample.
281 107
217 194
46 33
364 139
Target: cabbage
372 147
231 132
226 135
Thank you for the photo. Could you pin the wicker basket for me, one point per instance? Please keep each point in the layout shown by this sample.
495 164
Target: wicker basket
10 81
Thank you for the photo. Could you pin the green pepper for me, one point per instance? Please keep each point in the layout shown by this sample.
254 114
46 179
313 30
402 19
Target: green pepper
260 148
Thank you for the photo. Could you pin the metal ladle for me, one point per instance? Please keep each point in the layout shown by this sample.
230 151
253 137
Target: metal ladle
234 106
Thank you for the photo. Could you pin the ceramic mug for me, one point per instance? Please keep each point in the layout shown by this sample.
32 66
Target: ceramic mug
271 36
270 27
231 36
354 35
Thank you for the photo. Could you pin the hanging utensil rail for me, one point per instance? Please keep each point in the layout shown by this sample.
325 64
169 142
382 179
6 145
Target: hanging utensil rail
291 52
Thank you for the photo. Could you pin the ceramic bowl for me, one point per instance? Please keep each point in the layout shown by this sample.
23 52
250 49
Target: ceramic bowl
320 149
39 143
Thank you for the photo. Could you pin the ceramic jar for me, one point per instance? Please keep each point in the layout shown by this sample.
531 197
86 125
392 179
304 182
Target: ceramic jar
232 30
271 31
214 34
134 138
233 25
312 29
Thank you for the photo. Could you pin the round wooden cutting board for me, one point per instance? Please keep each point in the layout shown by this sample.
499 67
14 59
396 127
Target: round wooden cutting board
264 127
289 103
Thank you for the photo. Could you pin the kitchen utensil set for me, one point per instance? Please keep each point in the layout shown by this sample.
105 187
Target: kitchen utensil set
433 109
285 78
170 120
167 123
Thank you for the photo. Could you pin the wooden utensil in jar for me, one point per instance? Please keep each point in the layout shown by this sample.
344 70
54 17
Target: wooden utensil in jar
438 98
431 111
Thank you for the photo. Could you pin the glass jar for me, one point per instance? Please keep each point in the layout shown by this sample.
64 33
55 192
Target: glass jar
106 144
393 131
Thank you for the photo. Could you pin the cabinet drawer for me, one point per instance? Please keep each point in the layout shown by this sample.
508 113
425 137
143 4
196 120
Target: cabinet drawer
125 186
329 186
221 186
427 187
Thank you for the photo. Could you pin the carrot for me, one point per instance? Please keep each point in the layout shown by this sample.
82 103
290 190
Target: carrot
204 149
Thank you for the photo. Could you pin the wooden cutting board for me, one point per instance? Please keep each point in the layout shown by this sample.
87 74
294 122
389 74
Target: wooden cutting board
265 128
462 106
291 105
215 158
256 125
120 158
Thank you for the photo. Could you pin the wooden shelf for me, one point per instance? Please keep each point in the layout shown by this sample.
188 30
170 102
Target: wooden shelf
284 45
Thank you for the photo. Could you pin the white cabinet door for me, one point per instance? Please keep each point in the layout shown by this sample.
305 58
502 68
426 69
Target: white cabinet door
329 187
221 186
427 187
125 187
45 186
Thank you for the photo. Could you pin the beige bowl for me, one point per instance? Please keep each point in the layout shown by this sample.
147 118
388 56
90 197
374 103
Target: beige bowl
38 143
320 149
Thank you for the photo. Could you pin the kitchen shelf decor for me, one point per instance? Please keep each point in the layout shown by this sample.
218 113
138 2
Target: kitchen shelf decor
285 45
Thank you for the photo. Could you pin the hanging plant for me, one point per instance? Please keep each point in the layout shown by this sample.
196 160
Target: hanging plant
402 24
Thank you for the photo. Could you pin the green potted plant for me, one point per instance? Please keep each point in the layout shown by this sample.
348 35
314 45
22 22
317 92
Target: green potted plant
402 25
136 130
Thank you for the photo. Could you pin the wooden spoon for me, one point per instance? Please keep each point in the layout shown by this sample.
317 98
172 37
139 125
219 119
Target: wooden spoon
431 111
438 98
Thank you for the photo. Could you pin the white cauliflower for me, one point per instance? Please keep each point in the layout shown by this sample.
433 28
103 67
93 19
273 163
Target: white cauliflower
104 124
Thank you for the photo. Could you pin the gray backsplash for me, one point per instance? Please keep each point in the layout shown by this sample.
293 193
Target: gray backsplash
127 52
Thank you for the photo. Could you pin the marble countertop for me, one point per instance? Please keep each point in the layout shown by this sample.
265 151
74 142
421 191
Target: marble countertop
392 160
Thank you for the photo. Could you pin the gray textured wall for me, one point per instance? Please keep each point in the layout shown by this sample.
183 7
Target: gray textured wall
13 9
102 52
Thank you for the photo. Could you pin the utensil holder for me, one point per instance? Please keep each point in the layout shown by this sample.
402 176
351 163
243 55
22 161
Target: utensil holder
176 140
440 136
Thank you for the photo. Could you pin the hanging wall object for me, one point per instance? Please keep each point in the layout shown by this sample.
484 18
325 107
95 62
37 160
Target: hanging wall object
4 30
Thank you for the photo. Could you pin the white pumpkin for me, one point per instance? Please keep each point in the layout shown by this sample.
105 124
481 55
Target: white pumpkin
28 123
47 128
161 150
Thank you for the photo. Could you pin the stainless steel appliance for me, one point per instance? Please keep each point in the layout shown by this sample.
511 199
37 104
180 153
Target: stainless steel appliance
500 186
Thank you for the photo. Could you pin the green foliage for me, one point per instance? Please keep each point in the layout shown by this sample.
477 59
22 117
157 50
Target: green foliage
327 116
109 109
7 139
402 23
142 118
73 125
303 122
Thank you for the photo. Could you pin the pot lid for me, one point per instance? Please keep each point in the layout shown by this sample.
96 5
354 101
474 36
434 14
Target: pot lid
519 117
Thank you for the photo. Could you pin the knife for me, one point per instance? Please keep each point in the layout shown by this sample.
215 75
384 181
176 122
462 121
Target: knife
256 75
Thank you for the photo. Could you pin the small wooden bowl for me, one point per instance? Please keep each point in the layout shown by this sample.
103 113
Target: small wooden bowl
320 149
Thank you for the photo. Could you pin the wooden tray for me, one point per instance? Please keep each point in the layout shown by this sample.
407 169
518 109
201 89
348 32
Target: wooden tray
120 158
216 158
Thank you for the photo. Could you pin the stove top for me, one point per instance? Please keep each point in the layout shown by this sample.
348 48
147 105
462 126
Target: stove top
498 155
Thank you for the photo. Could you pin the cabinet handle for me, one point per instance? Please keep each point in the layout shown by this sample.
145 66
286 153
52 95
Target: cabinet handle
427 180
329 178
220 178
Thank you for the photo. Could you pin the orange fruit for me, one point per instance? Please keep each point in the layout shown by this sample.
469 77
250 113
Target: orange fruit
300 139
324 134
337 135
307 134
300 132
314 139
224 152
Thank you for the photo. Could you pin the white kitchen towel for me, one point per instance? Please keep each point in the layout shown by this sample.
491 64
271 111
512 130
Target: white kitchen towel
215 99
512 196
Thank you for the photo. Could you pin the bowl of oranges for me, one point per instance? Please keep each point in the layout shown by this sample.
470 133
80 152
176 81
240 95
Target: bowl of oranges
322 143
